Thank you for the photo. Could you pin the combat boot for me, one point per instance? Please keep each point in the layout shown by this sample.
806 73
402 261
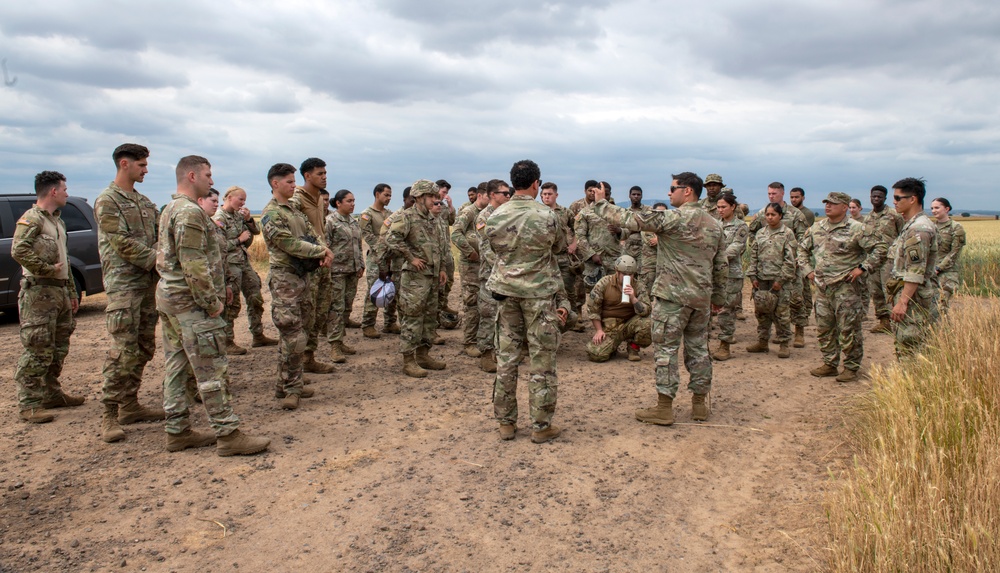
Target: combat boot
307 392
391 328
348 350
426 362
759 346
290 402
263 340
438 340
62 400
233 349
370 332
189 439
110 430
472 351
662 414
132 411
740 315
337 353
488 361
800 337
507 431
309 364
824 370
633 352
240 444
36 415
847 375
542 436
351 323
411 368
699 408
783 351
722 352
883 326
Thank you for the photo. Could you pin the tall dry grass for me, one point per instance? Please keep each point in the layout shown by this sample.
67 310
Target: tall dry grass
980 259
258 255
924 492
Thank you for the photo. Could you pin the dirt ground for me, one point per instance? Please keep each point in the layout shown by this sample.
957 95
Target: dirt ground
380 472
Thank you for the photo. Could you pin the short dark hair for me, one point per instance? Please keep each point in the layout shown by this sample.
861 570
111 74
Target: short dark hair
380 188
776 185
324 192
279 170
943 201
494 185
339 197
189 163
523 173
591 183
130 151
550 185
443 183
635 188
776 207
660 204
728 198
691 180
475 190
46 181
406 192
310 164
880 188
213 191
607 186
912 186
799 189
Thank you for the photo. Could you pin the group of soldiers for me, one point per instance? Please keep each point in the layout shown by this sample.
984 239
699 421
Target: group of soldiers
648 276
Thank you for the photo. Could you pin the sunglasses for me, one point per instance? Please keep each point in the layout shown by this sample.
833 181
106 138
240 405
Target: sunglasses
676 187
898 198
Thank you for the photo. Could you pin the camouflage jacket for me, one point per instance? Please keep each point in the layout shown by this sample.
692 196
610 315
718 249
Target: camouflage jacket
736 233
914 255
389 260
772 255
596 299
594 236
233 225
888 223
951 239
793 219
711 207
343 237
647 263
126 238
691 263
632 244
565 225
463 232
39 243
417 234
189 260
838 249
287 232
487 258
370 222
524 235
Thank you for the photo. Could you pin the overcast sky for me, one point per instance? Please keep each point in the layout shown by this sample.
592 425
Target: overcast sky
826 95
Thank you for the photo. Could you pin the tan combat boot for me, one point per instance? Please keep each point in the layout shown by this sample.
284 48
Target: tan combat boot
548 434
290 402
391 328
370 332
508 431
847 376
63 400
662 414
351 323
337 353
263 340
800 337
722 352
759 346
824 370
348 350
425 361
411 368
699 408
240 444
132 412
307 392
110 430
36 415
472 351
883 326
633 353
488 361
309 364
233 349
783 351
189 439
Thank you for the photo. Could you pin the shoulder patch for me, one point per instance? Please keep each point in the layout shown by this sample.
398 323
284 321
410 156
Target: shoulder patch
219 224
365 216
23 221
387 222
265 219
480 224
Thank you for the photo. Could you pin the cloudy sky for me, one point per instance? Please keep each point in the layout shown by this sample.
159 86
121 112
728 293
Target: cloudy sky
826 95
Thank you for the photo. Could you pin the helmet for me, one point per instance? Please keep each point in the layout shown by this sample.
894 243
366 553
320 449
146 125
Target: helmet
423 187
591 277
382 293
764 301
626 264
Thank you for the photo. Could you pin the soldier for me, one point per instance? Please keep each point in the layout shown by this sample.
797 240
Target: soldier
647 263
690 283
616 321
371 222
499 193
391 262
293 253
888 223
735 232
190 298
308 200
239 228
524 237
797 196
465 239
126 237
46 303
448 317
913 286
843 252
597 243
713 187
415 235
632 244
568 262
951 240
343 237
772 271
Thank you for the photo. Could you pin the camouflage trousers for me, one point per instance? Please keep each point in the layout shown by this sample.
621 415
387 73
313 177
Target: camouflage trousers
949 281
444 291
798 308
673 323
46 325
370 312
646 280
315 322
291 304
876 288
487 305
131 320
911 332
469 273
567 271
244 280
839 312
807 302
534 324
727 316
194 344
418 310
635 330
343 289
780 316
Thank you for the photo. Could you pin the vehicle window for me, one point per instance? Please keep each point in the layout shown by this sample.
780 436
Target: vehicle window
19 206
71 214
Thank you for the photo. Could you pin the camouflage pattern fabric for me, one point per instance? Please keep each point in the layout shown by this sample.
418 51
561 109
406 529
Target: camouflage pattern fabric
343 289
673 323
131 318
466 240
417 234
371 222
887 223
780 316
951 240
735 233
839 312
189 260
772 258
283 228
485 303
808 214
291 302
240 273
343 237
418 310
444 220
594 236
914 258
524 237
727 316
637 329
794 220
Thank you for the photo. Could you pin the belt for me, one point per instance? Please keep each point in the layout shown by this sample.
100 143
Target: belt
37 281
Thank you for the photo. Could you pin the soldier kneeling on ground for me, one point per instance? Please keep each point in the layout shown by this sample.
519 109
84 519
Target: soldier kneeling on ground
619 309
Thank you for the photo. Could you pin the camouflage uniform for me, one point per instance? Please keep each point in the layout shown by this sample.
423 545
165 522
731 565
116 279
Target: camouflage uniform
343 237
444 221
914 256
951 239
807 294
569 265
622 321
314 323
486 337
524 235
735 232
390 263
284 227
887 223
371 224
594 236
632 244
44 304
191 288
691 272
240 274
465 239
647 263
126 238
838 249
417 234
772 259
796 222
579 290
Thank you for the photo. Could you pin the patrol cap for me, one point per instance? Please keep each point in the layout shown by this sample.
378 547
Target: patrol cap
713 178
626 264
424 187
838 198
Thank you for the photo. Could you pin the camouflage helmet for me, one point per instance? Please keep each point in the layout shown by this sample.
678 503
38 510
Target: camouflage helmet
626 265
713 178
764 301
424 187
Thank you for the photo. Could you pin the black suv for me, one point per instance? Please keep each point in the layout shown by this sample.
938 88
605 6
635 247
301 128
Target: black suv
81 236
